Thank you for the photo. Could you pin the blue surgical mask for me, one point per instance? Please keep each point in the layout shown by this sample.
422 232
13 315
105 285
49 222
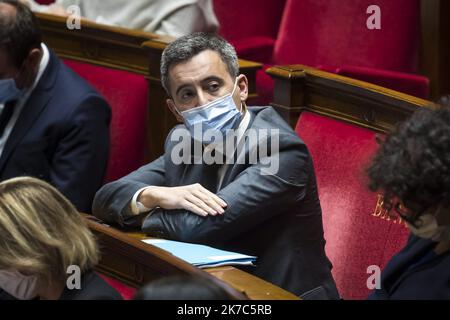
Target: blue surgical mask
9 90
213 119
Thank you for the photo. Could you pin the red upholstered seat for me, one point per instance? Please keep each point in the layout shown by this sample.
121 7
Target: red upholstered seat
250 25
412 84
357 232
127 95
125 291
333 33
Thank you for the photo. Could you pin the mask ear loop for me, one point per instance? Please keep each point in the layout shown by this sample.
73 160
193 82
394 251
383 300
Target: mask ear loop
243 107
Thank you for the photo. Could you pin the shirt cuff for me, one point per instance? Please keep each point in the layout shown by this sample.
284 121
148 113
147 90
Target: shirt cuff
136 206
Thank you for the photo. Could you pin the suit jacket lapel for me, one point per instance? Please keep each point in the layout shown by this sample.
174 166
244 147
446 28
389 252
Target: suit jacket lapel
234 168
34 106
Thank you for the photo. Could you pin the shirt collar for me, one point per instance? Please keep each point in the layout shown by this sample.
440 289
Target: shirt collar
42 65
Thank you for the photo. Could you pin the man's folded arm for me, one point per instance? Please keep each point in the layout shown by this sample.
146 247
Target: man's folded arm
112 203
245 196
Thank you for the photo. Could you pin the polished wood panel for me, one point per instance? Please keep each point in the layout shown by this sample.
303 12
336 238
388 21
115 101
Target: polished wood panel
130 50
299 87
126 258
435 45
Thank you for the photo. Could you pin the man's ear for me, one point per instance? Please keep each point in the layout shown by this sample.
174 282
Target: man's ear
242 85
30 68
174 110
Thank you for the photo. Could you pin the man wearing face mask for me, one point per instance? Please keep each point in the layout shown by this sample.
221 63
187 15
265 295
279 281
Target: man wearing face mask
412 169
53 125
233 202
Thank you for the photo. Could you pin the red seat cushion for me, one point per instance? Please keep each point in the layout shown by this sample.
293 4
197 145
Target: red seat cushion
127 94
357 235
125 291
412 84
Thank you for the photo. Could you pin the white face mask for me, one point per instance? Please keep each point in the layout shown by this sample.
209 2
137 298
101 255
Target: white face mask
19 286
217 117
429 229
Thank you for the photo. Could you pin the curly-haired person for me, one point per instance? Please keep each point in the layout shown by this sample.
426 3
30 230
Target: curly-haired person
412 169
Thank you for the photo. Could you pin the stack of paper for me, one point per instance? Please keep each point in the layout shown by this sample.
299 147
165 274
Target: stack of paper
200 255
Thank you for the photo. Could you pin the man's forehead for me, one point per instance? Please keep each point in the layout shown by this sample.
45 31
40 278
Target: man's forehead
203 65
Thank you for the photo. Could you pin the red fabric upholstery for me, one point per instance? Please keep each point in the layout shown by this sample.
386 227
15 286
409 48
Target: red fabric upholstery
125 291
127 95
332 35
264 88
356 239
334 32
250 25
403 82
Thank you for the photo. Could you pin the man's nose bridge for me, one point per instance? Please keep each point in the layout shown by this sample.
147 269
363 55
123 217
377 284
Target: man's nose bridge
202 97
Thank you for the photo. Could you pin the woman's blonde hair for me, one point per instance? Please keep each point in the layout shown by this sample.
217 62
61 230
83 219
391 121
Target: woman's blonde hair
41 232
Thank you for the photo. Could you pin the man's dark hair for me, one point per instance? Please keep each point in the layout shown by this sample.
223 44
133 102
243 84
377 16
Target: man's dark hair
19 33
413 164
186 47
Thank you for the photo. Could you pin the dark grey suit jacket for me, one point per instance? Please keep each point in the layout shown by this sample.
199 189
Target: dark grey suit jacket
275 217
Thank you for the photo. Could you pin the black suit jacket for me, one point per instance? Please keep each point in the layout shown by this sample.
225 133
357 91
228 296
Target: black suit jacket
428 280
92 287
276 217
61 136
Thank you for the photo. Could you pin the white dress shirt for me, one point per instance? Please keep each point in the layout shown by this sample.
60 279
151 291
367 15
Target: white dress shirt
137 207
166 17
22 101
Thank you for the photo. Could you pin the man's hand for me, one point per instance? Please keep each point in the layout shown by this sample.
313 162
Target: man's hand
194 198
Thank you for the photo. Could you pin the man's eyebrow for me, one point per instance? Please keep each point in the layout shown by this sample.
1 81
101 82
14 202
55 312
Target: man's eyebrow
203 81
212 78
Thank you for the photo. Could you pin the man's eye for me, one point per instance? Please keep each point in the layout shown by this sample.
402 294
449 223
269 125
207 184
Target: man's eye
213 87
186 95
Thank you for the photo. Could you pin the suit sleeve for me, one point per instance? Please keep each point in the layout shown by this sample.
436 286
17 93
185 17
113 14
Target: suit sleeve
79 162
250 198
112 201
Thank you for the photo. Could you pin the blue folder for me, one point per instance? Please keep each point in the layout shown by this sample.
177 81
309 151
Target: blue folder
200 255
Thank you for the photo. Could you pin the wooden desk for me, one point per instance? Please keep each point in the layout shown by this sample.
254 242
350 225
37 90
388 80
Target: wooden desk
253 287
126 258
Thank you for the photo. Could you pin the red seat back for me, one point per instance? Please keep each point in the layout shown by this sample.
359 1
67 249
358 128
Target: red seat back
250 25
334 32
127 94
357 232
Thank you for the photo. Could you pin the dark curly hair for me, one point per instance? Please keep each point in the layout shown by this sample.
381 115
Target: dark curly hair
413 164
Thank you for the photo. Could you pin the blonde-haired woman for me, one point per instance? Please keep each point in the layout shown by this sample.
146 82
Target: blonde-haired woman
44 245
